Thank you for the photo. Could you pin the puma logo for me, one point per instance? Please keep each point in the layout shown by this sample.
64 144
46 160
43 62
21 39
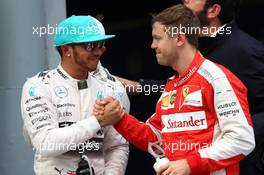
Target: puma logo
59 171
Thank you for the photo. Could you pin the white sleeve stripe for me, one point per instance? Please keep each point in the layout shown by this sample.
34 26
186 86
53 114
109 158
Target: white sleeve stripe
234 136
155 130
219 172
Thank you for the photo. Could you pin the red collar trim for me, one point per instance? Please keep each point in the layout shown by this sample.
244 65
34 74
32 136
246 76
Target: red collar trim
194 66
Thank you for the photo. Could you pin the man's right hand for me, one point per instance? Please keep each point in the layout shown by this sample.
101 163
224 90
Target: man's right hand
108 111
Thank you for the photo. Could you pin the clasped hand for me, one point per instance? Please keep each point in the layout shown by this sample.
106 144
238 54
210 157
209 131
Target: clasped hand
108 111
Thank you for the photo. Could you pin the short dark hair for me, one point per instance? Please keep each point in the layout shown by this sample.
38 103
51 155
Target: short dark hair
229 9
58 48
179 15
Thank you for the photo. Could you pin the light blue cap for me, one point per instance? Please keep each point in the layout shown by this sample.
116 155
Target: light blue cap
79 29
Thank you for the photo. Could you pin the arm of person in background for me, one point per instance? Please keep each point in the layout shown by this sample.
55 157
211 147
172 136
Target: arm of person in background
119 90
130 85
41 122
137 87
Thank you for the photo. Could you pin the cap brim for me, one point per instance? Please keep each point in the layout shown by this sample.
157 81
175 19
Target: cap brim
94 38
90 39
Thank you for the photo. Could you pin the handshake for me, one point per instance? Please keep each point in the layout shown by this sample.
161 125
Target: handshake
108 111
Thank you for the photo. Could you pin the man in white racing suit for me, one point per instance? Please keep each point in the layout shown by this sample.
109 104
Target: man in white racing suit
56 107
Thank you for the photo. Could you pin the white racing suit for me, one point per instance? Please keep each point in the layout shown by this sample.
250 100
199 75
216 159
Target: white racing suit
58 121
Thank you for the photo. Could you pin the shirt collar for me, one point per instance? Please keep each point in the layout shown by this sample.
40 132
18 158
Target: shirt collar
218 30
70 80
194 66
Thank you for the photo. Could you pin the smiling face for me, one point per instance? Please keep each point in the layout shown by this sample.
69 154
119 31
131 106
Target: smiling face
86 59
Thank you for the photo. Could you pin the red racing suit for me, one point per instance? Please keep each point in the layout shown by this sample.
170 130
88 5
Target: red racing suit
202 116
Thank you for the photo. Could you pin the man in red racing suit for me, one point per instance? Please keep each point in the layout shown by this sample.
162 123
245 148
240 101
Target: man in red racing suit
202 117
